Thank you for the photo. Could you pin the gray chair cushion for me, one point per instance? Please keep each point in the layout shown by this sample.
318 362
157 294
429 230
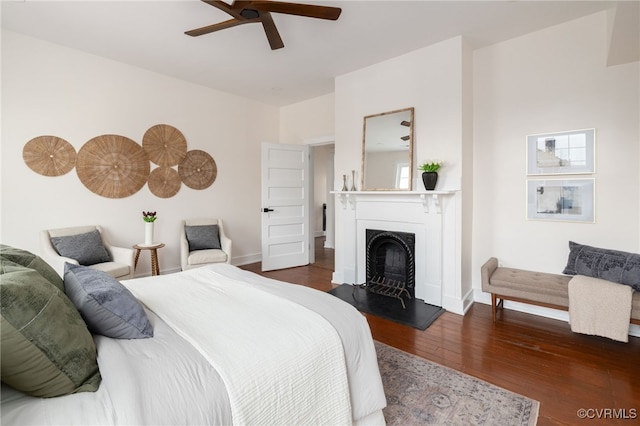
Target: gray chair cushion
107 306
202 237
86 248
611 265
47 350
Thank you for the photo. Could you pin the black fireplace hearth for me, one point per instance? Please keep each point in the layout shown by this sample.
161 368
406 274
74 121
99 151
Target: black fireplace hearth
416 314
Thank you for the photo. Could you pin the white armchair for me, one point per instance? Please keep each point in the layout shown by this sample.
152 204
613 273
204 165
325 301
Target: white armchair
193 256
120 265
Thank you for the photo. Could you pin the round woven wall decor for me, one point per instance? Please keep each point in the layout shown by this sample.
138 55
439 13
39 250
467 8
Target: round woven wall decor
198 170
165 145
49 155
112 166
164 182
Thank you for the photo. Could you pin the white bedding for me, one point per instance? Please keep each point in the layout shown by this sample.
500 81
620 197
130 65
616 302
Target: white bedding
300 375
165 380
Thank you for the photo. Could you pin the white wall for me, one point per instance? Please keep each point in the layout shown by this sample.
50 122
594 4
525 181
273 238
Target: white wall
306 120
429 80
312 122
51 90
548 81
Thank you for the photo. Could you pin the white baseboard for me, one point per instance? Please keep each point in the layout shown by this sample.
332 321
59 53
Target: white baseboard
458 306
247 259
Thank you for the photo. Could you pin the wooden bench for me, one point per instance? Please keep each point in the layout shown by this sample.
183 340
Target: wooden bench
534 288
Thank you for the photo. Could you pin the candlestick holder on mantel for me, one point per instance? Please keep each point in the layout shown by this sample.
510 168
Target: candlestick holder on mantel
348 198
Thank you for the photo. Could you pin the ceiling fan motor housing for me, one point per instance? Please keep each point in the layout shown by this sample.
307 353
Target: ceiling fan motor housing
250 13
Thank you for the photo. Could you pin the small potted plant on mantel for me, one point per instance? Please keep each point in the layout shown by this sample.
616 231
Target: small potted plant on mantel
430 173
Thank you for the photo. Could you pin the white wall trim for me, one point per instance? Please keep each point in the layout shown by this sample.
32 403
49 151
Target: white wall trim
320 140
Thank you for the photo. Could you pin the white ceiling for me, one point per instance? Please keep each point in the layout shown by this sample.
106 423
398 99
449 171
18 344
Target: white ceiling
150 35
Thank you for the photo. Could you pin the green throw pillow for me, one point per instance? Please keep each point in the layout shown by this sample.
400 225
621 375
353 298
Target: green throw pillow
46 348
30 260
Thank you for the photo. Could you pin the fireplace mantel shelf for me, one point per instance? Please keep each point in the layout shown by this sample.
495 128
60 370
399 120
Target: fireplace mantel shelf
348 198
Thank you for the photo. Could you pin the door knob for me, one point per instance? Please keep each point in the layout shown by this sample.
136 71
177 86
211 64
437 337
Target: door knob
267 210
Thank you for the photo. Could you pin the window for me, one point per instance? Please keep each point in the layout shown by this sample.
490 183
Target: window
402 175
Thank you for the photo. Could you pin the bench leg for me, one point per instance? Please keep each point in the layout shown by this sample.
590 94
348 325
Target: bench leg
493 306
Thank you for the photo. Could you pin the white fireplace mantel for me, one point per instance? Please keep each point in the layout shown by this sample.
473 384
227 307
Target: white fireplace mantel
432 216
348 198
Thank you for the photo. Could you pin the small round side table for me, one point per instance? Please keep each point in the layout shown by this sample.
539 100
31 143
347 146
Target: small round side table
153 249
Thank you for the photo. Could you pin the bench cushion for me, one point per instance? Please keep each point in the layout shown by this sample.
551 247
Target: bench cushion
536 286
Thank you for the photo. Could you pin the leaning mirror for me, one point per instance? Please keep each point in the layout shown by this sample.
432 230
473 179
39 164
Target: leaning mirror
387 153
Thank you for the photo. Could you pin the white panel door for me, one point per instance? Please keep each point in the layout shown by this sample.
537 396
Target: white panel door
285 206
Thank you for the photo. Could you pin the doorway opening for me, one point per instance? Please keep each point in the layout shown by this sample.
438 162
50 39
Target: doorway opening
323 204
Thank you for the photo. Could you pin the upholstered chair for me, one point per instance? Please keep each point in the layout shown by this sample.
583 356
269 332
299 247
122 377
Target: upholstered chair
202 242
85 245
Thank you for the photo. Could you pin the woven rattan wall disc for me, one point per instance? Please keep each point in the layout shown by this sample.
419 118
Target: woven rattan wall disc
164 182
165 145
112 166
198 170
49 155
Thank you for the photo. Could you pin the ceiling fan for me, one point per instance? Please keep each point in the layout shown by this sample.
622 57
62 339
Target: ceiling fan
247 12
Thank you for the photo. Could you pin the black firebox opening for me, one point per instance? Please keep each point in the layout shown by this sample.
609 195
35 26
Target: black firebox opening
391 263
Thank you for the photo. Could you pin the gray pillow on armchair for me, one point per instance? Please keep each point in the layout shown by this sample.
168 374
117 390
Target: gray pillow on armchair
203 237
86 248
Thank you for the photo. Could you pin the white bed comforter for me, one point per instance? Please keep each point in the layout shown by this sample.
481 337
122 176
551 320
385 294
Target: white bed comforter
281 362
166 380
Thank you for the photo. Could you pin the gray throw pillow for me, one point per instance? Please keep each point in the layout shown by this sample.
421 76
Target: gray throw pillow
86 248
46 348
106 305
611 265
203 237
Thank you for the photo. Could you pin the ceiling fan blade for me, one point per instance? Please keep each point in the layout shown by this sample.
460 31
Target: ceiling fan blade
225 7
249 11
219 26
308 10
275 41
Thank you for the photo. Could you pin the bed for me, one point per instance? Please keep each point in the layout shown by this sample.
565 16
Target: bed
228 347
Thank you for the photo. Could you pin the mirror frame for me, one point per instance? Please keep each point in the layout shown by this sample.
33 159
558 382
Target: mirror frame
363 183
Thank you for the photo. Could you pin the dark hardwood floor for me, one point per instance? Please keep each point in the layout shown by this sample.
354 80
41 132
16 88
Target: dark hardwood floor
534 356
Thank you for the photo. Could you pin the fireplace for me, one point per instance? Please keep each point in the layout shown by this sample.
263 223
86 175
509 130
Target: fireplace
390 264
433 217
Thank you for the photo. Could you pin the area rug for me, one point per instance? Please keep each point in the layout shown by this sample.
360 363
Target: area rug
417 314
420 392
